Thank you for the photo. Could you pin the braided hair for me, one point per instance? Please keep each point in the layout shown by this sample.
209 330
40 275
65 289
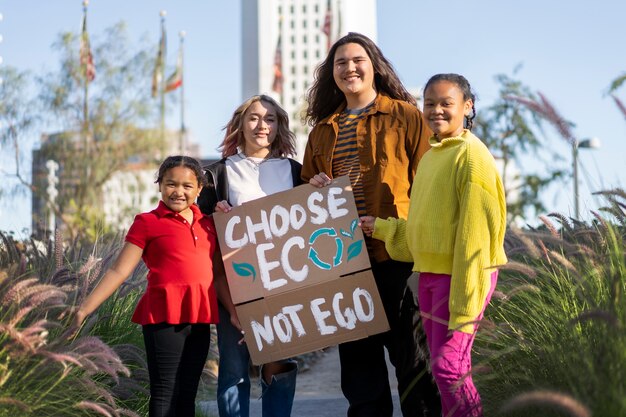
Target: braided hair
464 85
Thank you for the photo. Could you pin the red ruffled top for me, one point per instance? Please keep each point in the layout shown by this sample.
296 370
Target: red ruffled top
179 257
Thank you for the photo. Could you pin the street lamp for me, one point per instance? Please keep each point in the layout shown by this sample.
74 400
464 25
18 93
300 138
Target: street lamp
592 143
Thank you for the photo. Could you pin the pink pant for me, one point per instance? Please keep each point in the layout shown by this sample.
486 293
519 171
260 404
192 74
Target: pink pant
450 353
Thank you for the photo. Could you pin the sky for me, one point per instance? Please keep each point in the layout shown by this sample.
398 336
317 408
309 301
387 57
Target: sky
570 51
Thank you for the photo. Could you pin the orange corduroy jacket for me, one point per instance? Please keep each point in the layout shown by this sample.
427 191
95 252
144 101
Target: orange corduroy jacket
392 139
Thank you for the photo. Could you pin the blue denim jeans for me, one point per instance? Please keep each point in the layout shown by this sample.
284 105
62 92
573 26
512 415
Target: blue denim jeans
233 381
278 395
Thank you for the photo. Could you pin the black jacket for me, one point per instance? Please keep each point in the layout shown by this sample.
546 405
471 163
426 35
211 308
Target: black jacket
217 187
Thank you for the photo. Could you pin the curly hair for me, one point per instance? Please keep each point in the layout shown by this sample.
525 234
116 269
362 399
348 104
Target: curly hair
465 87
324 96
181 161
283 144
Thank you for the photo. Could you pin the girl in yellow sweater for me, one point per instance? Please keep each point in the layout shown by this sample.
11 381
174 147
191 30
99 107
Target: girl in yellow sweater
454 236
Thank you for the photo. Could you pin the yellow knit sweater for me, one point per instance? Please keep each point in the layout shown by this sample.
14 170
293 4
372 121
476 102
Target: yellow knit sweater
456 223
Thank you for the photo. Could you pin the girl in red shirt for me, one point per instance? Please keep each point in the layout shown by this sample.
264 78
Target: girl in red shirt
178 244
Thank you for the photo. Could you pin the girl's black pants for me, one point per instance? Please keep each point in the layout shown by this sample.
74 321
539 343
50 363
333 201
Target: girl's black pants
176 355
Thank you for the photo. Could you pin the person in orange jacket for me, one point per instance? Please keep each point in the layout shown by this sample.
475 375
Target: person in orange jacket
366 125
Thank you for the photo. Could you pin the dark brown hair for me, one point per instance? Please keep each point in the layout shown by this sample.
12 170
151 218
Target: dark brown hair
181 161
324 97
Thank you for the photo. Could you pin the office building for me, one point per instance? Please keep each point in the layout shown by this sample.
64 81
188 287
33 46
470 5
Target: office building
300 31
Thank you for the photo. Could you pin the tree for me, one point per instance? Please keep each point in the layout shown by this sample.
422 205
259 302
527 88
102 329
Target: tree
17 119
97 136
509 128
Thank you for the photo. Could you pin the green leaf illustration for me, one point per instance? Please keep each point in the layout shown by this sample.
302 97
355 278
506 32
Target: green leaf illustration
245 270
353 225
346 234
354 249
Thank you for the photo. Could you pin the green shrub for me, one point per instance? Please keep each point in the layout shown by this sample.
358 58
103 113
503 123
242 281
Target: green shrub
554 339
46 369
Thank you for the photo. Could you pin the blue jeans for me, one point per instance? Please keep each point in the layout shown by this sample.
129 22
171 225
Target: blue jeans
233 381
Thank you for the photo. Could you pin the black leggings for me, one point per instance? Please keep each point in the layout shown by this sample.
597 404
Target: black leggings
176 356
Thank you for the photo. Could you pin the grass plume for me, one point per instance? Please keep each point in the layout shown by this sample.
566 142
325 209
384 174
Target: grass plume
558 345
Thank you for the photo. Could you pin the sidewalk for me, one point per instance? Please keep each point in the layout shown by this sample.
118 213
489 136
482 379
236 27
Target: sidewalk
318 392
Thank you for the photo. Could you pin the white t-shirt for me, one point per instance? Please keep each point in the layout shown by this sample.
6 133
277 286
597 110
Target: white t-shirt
250 178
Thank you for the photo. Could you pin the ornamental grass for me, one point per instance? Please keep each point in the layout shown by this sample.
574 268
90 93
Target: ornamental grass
46 368
554 339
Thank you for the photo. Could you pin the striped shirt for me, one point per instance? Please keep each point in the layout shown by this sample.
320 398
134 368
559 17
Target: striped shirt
346 155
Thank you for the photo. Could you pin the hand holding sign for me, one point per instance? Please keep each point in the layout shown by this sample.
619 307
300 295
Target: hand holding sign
279 250
367 224
320 180
285 241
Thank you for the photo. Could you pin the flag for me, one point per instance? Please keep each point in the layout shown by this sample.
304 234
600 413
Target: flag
157 75
86 58
277 85
176 79
327 24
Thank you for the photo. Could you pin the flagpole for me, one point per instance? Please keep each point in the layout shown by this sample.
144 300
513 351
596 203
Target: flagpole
282 82
338 20
85 71
277 83
327 26
182 142
162 81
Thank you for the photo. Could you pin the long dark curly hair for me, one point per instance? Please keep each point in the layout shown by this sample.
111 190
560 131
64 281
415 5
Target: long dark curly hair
324 96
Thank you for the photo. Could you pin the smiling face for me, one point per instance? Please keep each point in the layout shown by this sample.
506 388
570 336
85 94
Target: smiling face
179 189
354 74
445 109
260 124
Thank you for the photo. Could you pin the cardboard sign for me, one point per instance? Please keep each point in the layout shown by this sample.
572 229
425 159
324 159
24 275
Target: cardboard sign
290 240
316 317
298 271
